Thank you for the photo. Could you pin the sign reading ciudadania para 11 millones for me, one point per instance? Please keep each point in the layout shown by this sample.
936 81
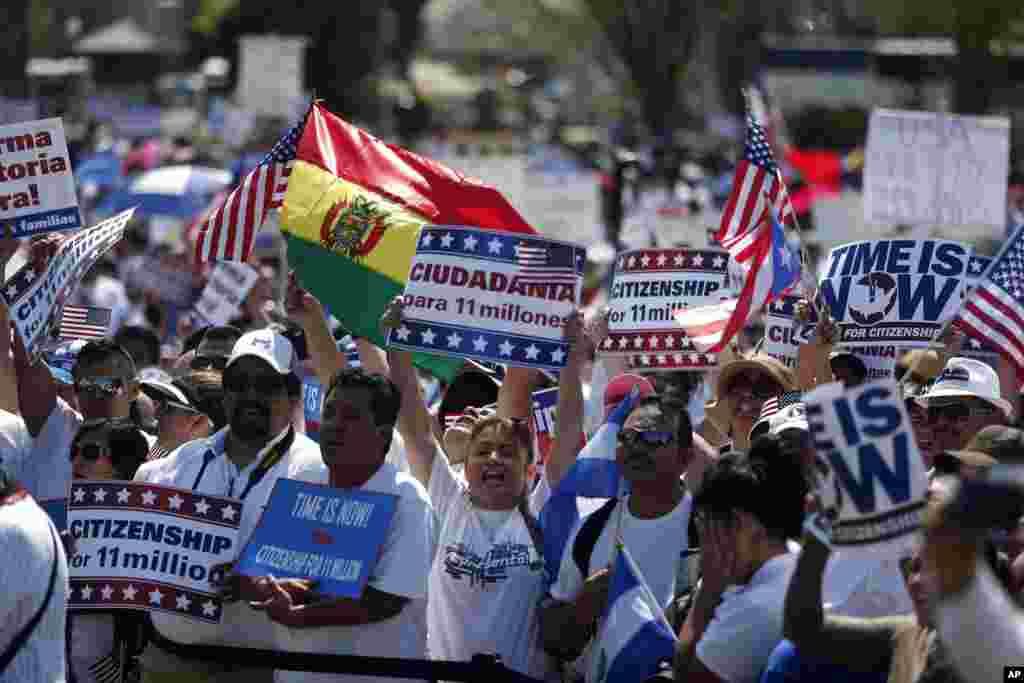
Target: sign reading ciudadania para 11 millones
146 547
311 531
648 287
37 188
490 296
901 292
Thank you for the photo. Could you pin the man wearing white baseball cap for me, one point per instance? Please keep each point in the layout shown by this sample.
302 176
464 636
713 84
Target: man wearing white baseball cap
964 399
242 461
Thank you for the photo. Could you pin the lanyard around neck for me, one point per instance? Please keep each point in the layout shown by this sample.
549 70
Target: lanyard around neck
271 458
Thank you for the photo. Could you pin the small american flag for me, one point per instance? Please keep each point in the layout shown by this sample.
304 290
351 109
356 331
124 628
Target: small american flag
994 313
757 185
777 403
549 264
83 322
228 231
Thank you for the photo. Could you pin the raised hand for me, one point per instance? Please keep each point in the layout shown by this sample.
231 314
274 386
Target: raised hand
392 316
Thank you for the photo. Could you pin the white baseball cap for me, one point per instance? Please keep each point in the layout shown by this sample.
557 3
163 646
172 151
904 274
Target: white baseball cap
267 345
968 378
793 416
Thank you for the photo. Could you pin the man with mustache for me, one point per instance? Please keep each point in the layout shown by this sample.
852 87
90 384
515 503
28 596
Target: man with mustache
242 461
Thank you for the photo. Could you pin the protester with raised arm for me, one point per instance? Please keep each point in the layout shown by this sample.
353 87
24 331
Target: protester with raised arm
488 579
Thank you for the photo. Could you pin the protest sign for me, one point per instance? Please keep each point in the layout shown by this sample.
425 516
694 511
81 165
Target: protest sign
876 480
490 296
147 547
270 78
37 188
36 300
894 291
936 169
648 286
312 402
225 291
545 402
333 536
880 361
784 334
686 358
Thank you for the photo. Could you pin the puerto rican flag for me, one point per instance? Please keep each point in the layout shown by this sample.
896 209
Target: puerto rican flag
772 268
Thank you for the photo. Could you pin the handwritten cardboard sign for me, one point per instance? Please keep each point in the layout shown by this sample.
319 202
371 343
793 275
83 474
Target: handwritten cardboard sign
37 188
490 296
36 299
900 292
147 547
311 531
936 169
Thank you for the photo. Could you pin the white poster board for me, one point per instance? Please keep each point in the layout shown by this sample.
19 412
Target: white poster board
271 70
928 168
37 188
227 288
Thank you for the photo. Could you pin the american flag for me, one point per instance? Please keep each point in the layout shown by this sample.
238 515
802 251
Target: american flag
548 264
228 231
757 186
83 322
994 313
704 325
777 403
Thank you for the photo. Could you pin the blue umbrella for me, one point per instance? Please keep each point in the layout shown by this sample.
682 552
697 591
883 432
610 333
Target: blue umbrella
179 191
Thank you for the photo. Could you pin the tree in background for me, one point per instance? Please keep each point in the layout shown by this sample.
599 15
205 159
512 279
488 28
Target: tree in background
980 29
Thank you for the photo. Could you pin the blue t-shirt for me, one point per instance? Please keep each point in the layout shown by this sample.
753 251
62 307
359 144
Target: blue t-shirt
786 665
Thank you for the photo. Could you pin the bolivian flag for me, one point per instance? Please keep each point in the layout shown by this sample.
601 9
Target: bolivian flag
353 213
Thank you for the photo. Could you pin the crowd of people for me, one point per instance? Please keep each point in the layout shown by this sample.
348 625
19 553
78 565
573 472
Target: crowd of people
723 514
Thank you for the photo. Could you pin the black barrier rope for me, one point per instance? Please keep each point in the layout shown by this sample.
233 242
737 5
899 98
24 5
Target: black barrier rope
481 667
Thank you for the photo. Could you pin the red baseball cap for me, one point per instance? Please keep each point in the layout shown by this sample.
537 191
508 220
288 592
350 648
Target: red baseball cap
620 386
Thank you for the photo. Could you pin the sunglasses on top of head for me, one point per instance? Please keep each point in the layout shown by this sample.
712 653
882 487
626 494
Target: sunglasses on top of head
102 386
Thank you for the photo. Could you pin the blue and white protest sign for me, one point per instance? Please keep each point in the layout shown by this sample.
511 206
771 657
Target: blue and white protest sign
900 292
490 296
879 361
310 531
36 299
146 547
37 188
648 287
876 480
312 405
784 334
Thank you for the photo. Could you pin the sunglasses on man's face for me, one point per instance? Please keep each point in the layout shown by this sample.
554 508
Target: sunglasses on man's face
209 363
90 451
239 383
957 412
651 437
103 386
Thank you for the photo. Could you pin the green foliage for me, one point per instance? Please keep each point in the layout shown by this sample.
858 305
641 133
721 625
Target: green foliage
210 14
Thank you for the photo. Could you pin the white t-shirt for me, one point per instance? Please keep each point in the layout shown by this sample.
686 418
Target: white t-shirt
747 624
859 585
46 471
26 536
657 546
485 588
402 569
240 625
15 441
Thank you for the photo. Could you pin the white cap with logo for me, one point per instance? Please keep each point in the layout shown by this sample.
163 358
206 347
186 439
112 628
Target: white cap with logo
267 345
968 378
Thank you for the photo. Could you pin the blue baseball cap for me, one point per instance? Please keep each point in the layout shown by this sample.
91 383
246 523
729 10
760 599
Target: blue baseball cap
61 359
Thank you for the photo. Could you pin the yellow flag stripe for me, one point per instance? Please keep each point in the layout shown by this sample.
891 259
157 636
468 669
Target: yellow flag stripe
314 193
